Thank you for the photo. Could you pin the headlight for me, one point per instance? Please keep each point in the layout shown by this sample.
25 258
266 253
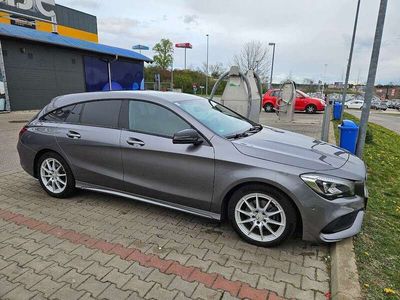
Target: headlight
328 186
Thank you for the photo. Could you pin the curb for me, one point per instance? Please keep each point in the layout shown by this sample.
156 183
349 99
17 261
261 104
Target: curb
345 284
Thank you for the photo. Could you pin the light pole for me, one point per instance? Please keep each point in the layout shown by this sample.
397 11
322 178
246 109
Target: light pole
349 61
272 65
369 89
323 79
207 35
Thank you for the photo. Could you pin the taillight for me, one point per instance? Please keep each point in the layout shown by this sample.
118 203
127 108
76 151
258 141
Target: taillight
22 131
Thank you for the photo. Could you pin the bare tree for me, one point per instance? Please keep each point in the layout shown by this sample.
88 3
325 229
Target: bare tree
214 71
254 56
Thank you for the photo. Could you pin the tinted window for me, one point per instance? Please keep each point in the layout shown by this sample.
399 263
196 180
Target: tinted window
101 113
58 115
153 119
74 114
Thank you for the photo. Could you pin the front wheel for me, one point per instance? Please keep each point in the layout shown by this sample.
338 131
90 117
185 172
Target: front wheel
311 109
55 176
262 215
268 107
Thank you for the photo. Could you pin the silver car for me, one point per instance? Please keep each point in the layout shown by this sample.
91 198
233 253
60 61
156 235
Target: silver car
194 155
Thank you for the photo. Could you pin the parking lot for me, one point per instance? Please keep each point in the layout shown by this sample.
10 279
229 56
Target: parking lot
106 247
389 118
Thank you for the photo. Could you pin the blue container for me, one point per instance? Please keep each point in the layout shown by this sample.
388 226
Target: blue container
337 110
348 135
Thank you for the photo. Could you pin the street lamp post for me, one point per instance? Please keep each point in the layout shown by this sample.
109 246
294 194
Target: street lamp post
323 79
272 65
207 35
349 61
369 89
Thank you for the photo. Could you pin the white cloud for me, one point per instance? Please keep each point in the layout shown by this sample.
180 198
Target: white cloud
308 33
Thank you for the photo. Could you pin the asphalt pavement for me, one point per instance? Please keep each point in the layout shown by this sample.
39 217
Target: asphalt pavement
389 119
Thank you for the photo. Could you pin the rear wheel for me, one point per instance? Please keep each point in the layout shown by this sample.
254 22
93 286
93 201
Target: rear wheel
268 107
262 215
311 109
55 176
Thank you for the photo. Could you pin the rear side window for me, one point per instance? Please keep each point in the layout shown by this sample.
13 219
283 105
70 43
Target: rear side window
154 119
101 113
59 115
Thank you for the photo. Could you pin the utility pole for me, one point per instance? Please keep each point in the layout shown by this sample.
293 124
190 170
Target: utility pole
207 35
272 65
172 75
369 89
323 80
349 61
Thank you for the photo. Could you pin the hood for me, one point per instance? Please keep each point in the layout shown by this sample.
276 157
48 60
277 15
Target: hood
293 149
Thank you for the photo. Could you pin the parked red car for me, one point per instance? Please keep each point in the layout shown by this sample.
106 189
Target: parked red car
303 102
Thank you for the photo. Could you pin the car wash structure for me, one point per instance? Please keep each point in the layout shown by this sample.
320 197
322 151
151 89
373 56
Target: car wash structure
242 92
48 50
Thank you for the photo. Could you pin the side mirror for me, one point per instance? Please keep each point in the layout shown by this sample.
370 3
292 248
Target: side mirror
187 136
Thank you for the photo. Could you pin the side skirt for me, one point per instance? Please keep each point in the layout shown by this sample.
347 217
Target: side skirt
162 203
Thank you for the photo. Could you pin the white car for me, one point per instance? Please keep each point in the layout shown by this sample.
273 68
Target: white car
357 104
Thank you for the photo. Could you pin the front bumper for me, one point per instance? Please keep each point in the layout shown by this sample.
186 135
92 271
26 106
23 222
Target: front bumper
351 231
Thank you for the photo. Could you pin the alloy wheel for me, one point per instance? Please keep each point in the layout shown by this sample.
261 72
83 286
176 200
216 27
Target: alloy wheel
53 175
260 217
310 109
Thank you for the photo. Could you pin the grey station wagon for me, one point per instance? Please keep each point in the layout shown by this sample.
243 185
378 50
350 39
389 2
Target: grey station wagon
195 155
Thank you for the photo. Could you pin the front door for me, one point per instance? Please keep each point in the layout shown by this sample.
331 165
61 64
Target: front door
154 167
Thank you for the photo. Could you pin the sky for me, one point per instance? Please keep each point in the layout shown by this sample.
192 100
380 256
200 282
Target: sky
309 34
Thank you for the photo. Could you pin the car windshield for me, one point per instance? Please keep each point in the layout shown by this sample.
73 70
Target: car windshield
216 117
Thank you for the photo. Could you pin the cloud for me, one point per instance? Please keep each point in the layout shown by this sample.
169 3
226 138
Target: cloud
191 19
86 4
117 26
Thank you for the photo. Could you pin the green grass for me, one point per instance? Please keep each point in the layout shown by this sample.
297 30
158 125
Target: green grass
377 247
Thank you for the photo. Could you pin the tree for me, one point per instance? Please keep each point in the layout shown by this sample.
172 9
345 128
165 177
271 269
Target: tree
164 49
214 71
254 56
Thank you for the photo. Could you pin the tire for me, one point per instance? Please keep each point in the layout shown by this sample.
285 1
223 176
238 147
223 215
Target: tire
311 109
59 183
268 107
260 235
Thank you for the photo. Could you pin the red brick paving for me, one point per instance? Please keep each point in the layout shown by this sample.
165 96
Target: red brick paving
215 281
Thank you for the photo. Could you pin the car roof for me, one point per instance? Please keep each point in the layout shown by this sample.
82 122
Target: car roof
156 96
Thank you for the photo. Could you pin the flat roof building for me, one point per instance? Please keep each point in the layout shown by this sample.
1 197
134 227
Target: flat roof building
49 50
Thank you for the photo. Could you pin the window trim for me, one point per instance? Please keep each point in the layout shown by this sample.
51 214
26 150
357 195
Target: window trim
124 120
80 116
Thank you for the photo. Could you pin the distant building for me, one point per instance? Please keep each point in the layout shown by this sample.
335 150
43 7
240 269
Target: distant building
387 92
338 84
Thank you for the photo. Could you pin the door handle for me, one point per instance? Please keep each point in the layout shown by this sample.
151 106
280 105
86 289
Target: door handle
73 135
132 141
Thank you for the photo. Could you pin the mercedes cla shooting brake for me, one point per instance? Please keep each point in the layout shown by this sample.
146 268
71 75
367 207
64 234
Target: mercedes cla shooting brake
195 155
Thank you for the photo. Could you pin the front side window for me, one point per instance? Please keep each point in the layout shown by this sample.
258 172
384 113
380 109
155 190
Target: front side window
104 113
216 117
146 117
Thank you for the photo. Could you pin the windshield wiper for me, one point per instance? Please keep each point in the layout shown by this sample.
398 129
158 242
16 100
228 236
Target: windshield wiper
252 130
256 128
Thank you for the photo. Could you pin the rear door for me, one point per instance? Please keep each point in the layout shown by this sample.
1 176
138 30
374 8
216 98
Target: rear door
89 139
154 167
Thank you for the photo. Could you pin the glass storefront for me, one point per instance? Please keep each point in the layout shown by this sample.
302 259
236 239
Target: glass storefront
125 75
4 103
